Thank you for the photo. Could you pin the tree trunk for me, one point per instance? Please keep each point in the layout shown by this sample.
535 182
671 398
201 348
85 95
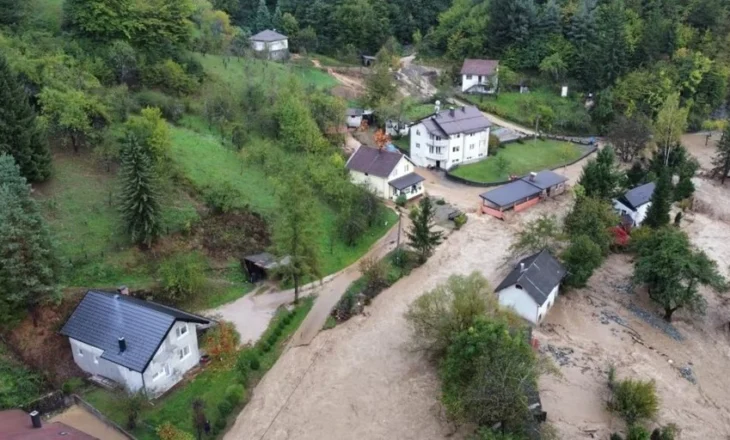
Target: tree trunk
668 312
296 289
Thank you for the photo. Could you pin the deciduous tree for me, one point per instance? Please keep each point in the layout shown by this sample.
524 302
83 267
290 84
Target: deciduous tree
721 161
592 218
629 136
581 258
421 235
542 233
671 122
20 134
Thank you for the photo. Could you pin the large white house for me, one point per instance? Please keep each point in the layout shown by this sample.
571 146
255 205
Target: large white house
387 173
271 45
532 286
635 203
138 344
450 137
480 76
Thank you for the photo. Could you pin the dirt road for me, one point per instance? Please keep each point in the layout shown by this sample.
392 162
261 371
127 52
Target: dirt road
361 379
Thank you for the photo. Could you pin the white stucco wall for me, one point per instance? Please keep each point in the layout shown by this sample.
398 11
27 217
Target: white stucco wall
638 216
457 150
354 121
260 46
88 358
404 167
523 304
468 81
380 186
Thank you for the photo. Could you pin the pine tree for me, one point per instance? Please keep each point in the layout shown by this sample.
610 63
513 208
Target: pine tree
549 20
517 17
262 20
11 12
635 175
20 134
277 20
422 238
661 202
721 161
28 265
140 204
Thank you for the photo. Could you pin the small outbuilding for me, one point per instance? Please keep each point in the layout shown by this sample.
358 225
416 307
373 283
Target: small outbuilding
271 45
523 193
354 117
480 76
260 266
532 286
634 204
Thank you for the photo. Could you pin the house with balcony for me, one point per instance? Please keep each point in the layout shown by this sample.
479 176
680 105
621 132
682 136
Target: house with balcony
140 345
388 174
450 137
480 76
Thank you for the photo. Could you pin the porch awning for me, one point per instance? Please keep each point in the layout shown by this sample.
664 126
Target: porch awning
406 181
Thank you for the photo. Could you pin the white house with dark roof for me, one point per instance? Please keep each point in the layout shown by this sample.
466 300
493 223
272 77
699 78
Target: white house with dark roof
387 173
480 76
635 203
450 137
271 45
138 344
532 286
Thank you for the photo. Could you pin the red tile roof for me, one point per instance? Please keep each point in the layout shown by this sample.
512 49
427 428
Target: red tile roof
16 425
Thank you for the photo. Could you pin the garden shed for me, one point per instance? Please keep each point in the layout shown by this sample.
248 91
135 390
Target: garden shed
259 266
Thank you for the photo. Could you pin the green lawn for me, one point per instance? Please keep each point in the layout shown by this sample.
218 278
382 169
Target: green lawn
522 159
196 154
403 143
311 76
79 203
567 115
210 385
418 111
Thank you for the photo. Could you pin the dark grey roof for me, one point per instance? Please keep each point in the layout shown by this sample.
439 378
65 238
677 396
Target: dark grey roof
268 35
638 196
465 119
267 261
373 161
545 179
406 181
353 112
101 318
479 67
542 272
511 193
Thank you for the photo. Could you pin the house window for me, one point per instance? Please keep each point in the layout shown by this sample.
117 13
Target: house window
418 145
81 351
96 359
456 160
455 149
418 132
471 147
167 370
158 374
181 331
406 168
184 352
438 138
468 77
481 154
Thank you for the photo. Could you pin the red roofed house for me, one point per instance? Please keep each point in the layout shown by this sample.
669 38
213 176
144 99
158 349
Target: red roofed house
480 76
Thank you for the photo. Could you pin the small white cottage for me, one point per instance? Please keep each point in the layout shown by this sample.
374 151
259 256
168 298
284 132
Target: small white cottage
271 45
634 204
387 173
480 76
532 286
138 344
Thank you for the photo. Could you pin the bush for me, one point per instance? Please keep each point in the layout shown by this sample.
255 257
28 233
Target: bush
669 432
460 220
220 424
221 198
225 408
222 342
287 319
375 273
234 394
254 364
182 276
168 431
172 108
71 385
581 258
440 202
494 142
171 77
637 433
266 347
401 200
635 400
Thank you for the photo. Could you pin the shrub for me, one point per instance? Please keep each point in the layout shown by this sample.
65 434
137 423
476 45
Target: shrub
460 220
375 273
171 77
440 202
220 424
182 276
581 258
168 431
401 200
255 365
221 198
287 319
266 347
234 394
225 408
71 385
172 108
634 400
669 432
494 142
637 433
221 343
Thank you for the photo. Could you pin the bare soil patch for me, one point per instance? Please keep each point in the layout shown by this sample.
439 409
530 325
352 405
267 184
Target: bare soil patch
233 234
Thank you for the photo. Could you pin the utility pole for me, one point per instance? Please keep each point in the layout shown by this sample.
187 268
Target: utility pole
397 245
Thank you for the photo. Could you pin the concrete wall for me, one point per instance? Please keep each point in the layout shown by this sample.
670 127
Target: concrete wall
88 358
455 150
167 361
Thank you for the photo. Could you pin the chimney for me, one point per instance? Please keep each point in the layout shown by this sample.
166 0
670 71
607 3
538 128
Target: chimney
35 419
451 110
122 344
123 290
522 267
437 107
532 176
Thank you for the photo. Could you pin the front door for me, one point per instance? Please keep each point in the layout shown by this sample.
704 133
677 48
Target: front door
438 164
